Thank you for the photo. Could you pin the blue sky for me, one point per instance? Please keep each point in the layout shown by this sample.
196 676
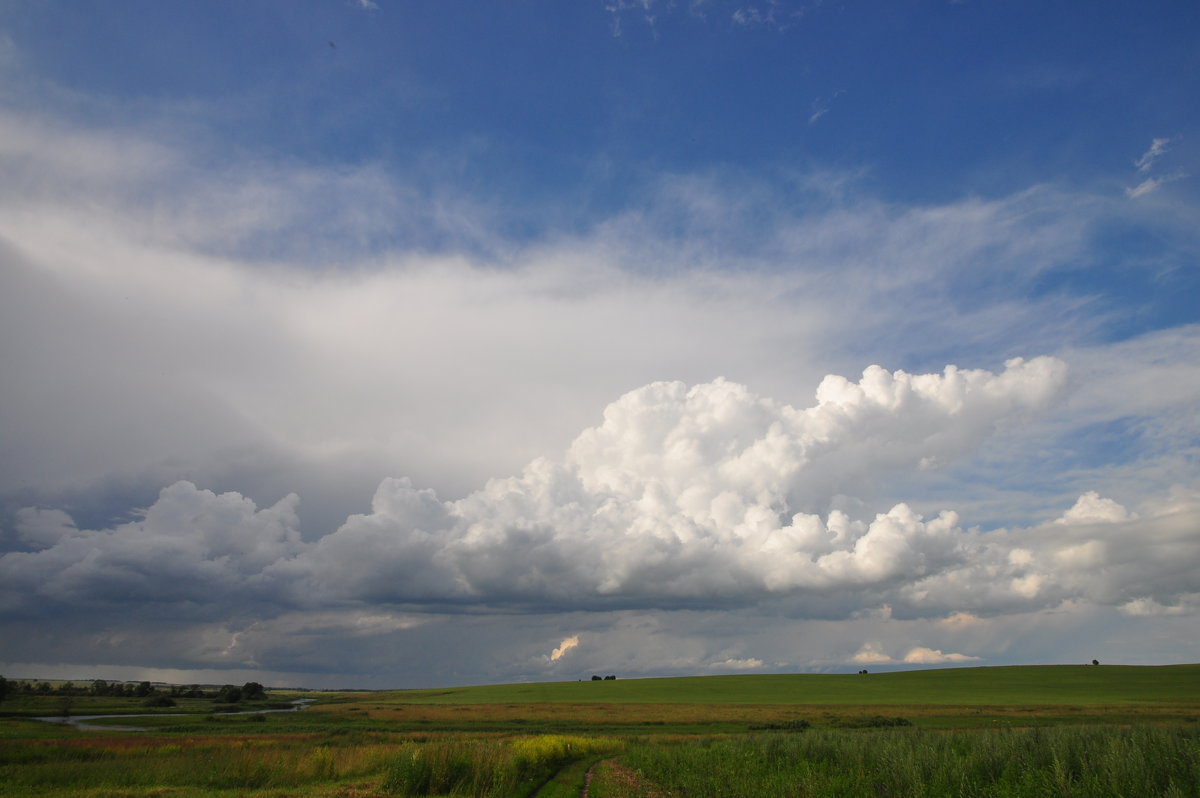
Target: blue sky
343 339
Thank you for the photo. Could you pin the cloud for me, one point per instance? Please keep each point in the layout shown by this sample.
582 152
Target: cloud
298 365
1145 607
646 9
156 339
872 654
566 645
744 664
1145 163
683 494
961 620
1157 148
820 106
775 14
191 547
1152 184
688 494
1091 508
1104 558
778 15
928 656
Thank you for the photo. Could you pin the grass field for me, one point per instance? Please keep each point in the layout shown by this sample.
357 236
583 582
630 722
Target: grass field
1082 685
1058 730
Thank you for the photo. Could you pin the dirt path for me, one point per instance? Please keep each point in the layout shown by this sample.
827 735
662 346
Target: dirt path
624 780
587 781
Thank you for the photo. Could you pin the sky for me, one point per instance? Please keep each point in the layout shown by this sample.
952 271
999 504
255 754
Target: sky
386 344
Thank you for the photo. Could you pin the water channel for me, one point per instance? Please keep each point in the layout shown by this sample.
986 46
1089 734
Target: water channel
84 721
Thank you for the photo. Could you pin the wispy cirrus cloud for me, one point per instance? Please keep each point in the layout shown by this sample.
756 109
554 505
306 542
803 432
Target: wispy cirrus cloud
1145 163
1152 184
1157 148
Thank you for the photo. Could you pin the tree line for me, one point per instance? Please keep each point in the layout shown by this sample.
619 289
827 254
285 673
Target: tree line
226 694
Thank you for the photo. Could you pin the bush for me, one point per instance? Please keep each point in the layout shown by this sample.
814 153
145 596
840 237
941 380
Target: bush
159 701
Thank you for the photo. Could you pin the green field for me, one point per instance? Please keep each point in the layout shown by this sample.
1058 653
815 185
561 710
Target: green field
1013 731
1081 685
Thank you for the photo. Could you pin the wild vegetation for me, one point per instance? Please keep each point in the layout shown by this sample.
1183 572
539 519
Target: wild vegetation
977 732
1108 761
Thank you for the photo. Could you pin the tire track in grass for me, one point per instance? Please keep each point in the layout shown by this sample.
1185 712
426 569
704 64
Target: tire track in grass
619 778
587 780
569 781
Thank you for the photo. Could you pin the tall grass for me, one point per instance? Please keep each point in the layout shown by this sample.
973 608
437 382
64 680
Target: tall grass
492 768
1145 761
41 769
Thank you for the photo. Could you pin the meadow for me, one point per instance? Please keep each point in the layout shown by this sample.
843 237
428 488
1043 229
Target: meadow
1057 730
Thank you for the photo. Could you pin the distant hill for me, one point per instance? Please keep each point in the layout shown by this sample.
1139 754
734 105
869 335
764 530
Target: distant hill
1084 685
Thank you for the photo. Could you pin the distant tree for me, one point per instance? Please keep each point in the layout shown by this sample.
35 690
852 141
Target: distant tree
5 686
159 701
99 687
595 678
44 688
610 678
228 694
1095 662
253 691
142 690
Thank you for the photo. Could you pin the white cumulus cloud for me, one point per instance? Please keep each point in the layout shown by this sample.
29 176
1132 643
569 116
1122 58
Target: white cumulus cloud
705 493
931 656
566 645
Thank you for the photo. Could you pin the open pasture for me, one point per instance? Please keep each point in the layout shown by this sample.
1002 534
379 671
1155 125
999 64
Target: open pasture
1062 730
1082 685
957 697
